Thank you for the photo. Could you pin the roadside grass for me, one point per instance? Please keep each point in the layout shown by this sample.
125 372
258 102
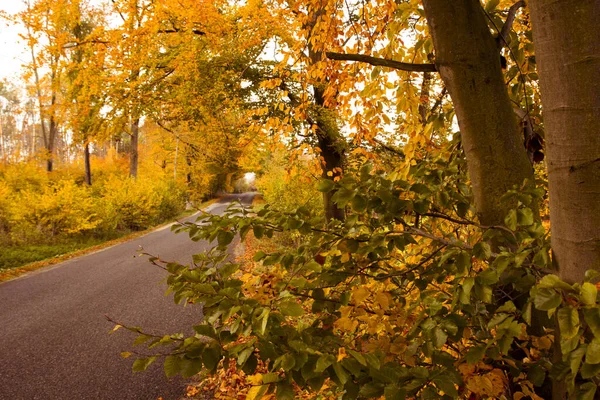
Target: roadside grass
18 260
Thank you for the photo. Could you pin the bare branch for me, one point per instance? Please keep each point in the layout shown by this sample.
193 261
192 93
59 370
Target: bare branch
503 35
383 62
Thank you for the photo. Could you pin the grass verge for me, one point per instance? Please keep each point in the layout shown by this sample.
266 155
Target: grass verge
18 260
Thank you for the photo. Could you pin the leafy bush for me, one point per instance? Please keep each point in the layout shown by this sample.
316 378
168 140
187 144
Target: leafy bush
36 209
61 209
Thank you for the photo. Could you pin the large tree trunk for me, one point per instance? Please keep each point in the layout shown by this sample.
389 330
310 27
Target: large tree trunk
567 48
133 151
469 63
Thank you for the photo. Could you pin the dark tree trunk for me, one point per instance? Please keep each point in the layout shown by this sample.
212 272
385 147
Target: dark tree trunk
88 167
331 143
133 151
53 131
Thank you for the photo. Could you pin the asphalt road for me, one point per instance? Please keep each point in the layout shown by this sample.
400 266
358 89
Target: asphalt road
54 341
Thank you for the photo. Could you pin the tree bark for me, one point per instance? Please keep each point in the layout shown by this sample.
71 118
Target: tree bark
88 166
469 63
133 151
52 132
567 48
329 138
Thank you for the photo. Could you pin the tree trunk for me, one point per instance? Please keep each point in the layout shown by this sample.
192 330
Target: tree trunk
88 167
567 48
330 141
133 151
469 63
51 139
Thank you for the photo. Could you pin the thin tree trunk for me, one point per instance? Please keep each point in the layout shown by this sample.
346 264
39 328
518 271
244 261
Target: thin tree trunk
50 144
469 63
567 48
175 160
88 166
133 151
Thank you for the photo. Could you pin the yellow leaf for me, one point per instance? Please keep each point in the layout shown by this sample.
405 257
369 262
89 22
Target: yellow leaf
341 354
359 294
256 392
255 379
383 300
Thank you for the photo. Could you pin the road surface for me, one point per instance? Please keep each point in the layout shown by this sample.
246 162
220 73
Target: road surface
54 341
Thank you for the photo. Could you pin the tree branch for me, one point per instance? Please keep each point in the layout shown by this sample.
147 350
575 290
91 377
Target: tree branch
503 35
383 62
195 31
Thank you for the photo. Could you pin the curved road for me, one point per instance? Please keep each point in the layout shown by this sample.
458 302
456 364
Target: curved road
54 341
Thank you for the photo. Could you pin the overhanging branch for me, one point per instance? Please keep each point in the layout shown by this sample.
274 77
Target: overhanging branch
383 62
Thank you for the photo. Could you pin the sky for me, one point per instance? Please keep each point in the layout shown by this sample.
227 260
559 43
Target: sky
12 52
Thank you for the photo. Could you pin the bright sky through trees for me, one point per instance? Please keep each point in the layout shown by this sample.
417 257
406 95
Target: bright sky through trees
12 55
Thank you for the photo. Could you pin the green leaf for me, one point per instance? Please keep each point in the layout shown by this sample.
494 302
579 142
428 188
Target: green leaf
465 293
359 357
446 384
509 307
592 319
553 281
497 319
590 370
482 250
359 203
587 391
589 293
511 220
190 367
291 309
592 355
568 322
225 237
324 362
475 354
258 231
287 362
141 364
491 5
172 366
525 217
341 373
439 337
284 391
325 185
537 375
270 378
142 339
547 299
